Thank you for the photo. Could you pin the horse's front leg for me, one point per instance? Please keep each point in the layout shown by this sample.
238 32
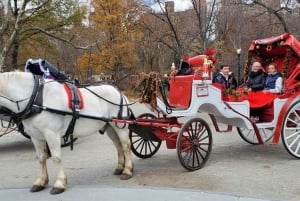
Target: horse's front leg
54 144
42 155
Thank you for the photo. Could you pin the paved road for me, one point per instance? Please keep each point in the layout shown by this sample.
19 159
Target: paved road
235 171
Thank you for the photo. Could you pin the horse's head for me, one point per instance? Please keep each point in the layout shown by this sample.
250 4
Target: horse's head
15 90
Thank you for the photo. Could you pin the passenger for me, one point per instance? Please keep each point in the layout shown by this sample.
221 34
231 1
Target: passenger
256 78
225 77
273 80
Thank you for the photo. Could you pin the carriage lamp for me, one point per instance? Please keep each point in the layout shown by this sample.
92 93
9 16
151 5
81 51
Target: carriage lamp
238 52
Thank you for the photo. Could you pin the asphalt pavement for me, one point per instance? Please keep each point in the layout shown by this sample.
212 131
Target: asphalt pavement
97 193
235 171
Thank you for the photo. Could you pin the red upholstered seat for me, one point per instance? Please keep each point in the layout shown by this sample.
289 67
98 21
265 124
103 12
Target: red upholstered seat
180 90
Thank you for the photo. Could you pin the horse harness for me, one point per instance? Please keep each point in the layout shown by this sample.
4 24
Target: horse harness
35 106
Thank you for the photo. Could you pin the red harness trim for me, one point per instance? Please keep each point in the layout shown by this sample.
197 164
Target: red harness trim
69 94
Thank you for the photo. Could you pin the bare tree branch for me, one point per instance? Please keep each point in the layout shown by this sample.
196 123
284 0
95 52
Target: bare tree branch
275 12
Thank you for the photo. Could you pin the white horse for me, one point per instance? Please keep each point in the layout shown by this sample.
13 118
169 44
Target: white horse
46 128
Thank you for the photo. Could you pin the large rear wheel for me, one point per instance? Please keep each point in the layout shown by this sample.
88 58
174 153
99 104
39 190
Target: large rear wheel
194 144
249 136
144 143
290 133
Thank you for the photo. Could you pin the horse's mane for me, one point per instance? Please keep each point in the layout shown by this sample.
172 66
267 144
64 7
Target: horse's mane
7 78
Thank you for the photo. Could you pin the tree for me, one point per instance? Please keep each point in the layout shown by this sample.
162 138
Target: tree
117 22
24 21
187 32
206 13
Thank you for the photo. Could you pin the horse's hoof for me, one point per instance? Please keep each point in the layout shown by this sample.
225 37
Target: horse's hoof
125 177
118 172
55 191
36 188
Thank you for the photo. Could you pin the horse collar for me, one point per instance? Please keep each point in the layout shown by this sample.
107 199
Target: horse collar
28 111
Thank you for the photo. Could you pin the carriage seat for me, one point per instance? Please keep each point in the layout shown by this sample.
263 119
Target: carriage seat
181 90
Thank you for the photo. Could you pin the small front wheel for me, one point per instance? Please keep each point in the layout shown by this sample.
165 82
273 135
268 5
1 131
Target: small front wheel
194 144
144 143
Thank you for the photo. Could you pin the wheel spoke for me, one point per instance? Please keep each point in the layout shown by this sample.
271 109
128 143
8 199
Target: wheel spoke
297 149
294 141
292 120
133 142
292 135
290 128
190 131
202 139
142 148
139 144
153 144
201 153
199 134
296 113
150 143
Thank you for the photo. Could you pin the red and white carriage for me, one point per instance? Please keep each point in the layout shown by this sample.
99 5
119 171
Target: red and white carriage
193 94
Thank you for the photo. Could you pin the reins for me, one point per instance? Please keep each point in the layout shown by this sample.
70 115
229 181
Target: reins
116 104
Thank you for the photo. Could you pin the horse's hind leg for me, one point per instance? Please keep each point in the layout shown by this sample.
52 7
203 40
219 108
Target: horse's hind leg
42 154
122 144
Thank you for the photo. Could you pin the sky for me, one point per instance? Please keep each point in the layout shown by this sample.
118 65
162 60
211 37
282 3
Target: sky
180 5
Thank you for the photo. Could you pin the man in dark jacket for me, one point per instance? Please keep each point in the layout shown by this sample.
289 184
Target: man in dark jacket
257 77
225 77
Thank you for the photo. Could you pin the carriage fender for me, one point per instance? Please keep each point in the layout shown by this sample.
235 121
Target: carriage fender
281 116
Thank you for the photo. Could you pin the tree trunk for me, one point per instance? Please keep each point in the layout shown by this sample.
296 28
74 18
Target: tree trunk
14 56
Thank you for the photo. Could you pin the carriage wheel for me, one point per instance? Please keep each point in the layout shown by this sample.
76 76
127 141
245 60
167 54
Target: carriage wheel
141 147
249 136
194 144
290 133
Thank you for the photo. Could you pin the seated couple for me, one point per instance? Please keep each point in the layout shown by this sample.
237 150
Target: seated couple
265 87
258 80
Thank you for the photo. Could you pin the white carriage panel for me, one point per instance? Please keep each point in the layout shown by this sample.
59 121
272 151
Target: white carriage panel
242 107
240 121
201 93
278 104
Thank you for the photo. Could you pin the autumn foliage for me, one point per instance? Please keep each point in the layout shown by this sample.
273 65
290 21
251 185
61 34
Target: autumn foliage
116 24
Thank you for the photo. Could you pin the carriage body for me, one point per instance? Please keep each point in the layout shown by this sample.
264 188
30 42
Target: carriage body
193 94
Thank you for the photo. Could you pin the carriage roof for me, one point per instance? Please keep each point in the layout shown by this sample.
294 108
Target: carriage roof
284 50
275 45
274 49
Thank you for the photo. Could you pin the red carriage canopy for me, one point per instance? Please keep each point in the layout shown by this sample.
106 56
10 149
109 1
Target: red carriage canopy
284 50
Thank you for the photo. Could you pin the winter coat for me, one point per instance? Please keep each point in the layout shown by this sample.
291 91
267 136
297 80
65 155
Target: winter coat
271 81
230 83
256 80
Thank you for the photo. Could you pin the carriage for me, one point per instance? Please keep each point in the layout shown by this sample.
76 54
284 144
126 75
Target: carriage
49 110
195 93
